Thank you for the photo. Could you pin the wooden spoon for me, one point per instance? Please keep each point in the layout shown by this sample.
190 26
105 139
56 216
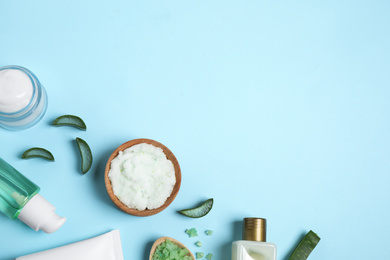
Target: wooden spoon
162 239
147 212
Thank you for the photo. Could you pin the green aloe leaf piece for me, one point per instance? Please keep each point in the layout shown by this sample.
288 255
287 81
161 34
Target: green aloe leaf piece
305 247
86 155
70 120
200 211
38 152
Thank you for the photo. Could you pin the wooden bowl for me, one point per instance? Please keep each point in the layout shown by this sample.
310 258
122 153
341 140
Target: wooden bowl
147 212
162 239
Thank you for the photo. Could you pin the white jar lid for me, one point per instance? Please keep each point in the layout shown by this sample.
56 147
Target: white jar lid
16 90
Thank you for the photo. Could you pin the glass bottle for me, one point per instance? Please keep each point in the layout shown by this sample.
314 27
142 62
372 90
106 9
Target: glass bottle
19 198
254 245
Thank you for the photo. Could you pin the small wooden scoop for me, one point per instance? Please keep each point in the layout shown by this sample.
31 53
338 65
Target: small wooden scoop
162 239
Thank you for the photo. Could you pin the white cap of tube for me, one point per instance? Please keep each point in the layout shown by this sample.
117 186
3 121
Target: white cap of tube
39 214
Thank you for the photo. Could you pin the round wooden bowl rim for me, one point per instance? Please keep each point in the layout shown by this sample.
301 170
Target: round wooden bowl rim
146 212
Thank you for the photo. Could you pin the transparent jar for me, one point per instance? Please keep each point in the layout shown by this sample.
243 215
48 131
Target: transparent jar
23 100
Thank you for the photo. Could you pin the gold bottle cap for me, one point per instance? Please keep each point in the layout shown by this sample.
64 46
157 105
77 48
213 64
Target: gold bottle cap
254 229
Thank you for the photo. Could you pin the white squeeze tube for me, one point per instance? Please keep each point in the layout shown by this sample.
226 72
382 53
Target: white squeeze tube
104 247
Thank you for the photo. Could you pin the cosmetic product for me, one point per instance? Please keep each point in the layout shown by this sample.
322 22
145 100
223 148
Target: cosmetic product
104 247
254 245
23 100
19 198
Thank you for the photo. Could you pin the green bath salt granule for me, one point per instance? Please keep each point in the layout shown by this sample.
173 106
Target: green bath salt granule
209 256
199 255
170 251
209 232
192 232
198 244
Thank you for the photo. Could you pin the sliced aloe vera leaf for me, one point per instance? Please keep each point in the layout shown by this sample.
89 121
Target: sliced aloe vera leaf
70 120
86 155
305 247
37 152
200 211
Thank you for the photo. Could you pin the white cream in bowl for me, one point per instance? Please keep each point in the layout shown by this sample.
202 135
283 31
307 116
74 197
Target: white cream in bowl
142 177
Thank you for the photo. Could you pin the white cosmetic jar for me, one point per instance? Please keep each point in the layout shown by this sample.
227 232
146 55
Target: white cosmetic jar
23 100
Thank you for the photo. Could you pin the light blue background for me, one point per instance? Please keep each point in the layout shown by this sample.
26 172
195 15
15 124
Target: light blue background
276 109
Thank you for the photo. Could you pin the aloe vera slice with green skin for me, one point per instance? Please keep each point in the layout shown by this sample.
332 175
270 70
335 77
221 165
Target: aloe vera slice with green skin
86 155
38 152
70 120
305 247
200 211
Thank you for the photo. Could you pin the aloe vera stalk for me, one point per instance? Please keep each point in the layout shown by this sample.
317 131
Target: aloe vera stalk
305 247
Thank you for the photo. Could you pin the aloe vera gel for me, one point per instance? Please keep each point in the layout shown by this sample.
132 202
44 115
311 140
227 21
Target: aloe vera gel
19 198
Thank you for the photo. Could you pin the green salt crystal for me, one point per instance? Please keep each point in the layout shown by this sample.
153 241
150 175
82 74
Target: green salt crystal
199 255
209 256
192 232
209 232
198 244
170 251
